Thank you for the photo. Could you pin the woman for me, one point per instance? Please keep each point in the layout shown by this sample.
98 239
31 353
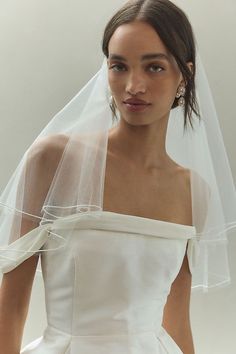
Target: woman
113 216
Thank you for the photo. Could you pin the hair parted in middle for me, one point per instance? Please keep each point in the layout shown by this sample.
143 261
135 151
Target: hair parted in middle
175 31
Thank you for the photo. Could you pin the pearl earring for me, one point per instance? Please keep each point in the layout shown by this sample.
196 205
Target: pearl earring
181 92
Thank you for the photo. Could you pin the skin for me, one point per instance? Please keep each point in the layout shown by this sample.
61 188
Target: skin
156 86
17 284
140 176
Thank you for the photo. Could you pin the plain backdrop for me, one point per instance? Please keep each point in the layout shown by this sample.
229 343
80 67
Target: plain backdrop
48 50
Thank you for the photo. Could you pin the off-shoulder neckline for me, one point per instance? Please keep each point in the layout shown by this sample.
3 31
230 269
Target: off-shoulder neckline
113 221
142 218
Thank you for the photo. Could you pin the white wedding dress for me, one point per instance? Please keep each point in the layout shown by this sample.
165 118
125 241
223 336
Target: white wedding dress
107 287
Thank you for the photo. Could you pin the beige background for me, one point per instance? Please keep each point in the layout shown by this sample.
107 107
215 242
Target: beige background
48 50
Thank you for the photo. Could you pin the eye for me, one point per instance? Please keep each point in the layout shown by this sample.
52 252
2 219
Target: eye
156 67
120 66
116 66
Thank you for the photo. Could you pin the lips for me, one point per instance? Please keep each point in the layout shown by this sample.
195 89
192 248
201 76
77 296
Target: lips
136 107
137 102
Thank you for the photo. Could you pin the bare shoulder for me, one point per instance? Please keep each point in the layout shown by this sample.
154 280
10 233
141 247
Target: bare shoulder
49 147
187 175
181 176
201 182
43 159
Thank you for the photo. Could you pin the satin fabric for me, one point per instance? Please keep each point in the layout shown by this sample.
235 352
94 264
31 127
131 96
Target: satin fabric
107 287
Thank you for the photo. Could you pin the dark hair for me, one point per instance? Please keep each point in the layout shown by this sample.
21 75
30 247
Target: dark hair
175 31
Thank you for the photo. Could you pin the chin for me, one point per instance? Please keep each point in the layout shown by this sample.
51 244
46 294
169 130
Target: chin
136 121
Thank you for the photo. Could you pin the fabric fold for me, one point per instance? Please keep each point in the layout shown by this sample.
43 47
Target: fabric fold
23 248
31 243
193 251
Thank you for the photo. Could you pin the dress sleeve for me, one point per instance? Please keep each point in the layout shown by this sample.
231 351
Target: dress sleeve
192 253
23 248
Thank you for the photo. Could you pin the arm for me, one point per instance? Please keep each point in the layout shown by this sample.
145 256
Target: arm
14 302
176 318
17 284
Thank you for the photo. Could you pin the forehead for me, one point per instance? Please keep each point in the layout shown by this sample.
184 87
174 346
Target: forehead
136 38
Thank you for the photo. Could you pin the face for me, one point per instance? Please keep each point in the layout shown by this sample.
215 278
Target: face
154 80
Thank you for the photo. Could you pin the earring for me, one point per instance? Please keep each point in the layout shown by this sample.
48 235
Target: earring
112 101
180 94
112 105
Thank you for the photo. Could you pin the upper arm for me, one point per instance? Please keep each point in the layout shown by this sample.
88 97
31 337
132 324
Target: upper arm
176 317
42 161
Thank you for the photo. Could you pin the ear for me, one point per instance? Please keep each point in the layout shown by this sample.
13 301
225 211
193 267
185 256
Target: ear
190 66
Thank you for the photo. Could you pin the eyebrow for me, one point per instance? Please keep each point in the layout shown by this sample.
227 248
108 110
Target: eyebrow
144 57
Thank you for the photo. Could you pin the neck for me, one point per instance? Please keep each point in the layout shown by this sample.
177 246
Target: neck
143 146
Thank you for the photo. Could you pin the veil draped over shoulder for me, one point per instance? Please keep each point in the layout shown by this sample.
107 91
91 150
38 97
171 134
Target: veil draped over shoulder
61 175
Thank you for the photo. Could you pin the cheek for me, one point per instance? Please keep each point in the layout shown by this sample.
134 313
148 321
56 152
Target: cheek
116 85
163 89
159 91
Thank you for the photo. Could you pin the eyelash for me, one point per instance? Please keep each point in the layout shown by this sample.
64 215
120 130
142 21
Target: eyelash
152 65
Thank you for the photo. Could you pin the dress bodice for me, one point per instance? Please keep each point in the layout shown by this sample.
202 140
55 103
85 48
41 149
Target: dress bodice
106 289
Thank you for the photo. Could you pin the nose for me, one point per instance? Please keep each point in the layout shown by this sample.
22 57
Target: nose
135 84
